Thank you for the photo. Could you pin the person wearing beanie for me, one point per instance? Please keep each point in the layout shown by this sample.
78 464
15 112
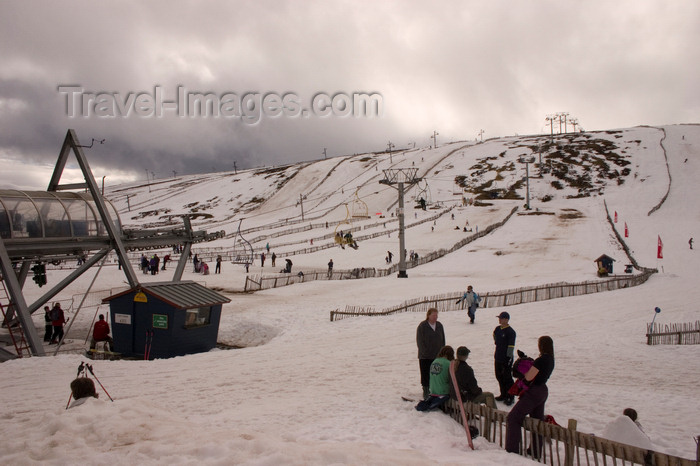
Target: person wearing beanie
468 387
504 339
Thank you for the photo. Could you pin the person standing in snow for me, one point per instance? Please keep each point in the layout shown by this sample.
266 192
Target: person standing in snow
218 264
166 259
48 326
472 300
532 401
274 257
504 339
58 319
262 259
195 262
466 382
330 268
430 338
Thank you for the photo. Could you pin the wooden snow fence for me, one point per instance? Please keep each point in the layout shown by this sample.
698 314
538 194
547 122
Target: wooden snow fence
447 302
561 446
674 334
257 283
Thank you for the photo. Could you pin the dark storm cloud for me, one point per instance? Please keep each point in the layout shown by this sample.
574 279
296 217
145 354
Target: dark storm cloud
454 67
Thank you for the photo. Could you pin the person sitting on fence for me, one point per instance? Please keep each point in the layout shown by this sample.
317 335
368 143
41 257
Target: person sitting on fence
626 429
533 399
101 333
468 387
439 380
82 389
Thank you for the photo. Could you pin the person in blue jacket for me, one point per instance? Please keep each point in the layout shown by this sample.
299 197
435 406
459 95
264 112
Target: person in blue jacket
472 300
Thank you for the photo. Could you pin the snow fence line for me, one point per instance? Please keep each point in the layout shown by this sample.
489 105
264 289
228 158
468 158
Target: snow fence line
511 297
258 282
558 445
674 334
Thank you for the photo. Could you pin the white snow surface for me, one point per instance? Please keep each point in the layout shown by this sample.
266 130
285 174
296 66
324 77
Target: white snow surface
304 390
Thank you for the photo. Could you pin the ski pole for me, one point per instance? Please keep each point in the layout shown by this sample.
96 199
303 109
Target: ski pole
81 368
147 356
145 348
98 381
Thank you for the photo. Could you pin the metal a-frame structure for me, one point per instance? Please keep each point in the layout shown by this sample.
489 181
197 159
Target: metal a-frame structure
27 251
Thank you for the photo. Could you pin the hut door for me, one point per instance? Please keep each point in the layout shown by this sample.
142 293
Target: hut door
141 325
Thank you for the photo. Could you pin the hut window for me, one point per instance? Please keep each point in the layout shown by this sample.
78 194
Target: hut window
198 317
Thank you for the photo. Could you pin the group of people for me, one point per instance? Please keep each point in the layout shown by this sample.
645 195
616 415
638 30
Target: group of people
200 266
151 265
54 320
435 358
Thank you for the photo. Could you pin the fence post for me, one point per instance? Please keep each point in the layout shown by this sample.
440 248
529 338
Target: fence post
570 447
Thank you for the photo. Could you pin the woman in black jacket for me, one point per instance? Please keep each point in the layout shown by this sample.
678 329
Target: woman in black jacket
531 401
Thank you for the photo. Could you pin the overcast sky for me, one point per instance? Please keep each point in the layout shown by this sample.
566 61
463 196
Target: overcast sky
455 67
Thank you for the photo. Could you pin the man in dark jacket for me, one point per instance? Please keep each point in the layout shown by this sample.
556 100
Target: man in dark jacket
430 338
468 387
48 326
504 339
58 319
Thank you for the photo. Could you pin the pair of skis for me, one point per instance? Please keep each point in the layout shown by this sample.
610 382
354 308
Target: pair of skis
149 344
453 365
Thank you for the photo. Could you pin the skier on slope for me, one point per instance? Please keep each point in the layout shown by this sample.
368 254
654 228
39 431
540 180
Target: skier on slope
472 300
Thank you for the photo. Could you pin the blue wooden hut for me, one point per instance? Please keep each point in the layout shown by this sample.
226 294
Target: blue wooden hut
165 319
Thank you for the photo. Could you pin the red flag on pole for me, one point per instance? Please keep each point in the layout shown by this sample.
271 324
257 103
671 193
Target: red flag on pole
627 233
660 250
616 216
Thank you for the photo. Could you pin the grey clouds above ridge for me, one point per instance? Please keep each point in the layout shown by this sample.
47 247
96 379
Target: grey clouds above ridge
454 67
